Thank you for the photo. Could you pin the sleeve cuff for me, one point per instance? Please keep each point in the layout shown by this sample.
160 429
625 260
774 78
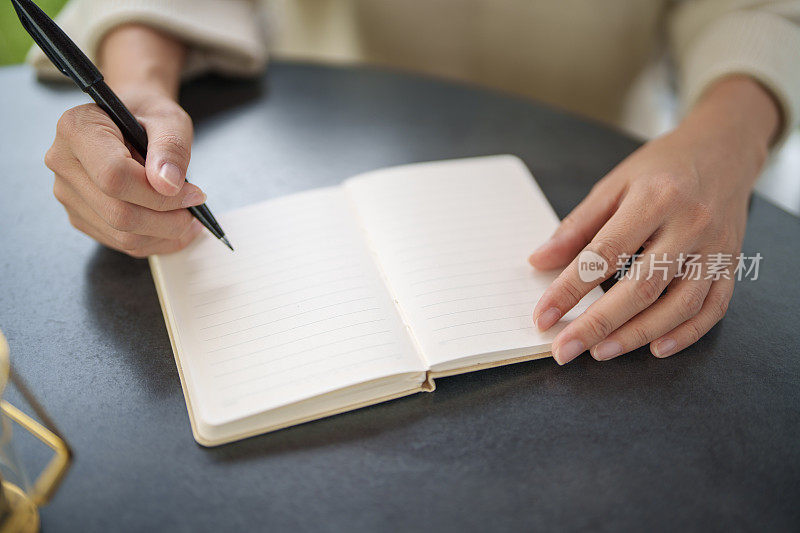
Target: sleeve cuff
222 35
758 44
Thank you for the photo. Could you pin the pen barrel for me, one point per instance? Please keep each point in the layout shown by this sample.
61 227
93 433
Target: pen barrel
133 132
203 214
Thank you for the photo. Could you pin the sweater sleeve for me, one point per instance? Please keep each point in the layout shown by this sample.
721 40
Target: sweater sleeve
222 35
714 38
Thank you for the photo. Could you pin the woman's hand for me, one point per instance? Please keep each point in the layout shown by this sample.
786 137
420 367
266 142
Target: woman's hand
107 191
684 193
109 195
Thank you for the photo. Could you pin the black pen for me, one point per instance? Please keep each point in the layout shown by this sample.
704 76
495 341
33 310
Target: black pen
70 60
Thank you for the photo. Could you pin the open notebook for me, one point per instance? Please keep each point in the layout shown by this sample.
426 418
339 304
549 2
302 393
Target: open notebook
342 297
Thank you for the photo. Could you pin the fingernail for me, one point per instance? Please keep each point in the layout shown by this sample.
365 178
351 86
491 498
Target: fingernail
664 347
548 318
606 350
171 175
568 351
194 198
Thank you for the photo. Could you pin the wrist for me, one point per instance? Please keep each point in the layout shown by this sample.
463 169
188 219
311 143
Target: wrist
736 120
137 58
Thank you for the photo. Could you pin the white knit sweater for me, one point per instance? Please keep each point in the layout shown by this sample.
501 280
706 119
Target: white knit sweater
580 54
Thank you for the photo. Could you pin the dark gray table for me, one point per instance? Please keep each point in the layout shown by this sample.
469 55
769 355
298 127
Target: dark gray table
707 439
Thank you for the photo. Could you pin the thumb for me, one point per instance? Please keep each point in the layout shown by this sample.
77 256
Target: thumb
169 134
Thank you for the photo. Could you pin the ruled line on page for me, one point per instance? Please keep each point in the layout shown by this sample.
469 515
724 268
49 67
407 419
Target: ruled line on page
296 302
262 350
498 282
313 361
259 266
457 225
302 379
439 266
480 309
287 318
250 260
397 193
267 298
485 334
293 328
388 227
461 249
462 274
450 207
245 238
292 354
480 322
450 241
457 229
251 290
442 302
309 377
450 203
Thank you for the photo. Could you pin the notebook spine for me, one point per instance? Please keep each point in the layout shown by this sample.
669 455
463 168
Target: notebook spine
428 385
368 239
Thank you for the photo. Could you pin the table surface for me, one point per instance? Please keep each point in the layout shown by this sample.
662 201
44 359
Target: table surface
707 439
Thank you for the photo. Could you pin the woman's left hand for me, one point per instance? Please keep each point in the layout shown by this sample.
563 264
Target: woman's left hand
683 194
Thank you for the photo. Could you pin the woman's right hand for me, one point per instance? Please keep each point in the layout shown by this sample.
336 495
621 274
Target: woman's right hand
107 191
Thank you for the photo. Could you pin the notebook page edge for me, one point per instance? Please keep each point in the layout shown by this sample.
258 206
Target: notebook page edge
166 311
209 435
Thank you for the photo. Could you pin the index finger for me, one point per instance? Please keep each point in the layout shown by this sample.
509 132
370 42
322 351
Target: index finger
125 179
621 236
98 145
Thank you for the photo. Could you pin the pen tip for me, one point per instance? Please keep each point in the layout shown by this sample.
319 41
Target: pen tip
227 242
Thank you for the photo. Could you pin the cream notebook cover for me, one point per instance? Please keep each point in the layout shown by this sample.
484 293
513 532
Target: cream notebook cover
342 297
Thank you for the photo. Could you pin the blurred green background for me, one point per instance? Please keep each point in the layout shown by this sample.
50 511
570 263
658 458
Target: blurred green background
14 42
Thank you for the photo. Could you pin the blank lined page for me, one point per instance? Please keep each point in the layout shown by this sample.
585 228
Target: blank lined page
298 310
453 238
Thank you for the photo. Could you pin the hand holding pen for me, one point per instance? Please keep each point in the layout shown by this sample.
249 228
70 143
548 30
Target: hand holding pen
99 150
110 196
